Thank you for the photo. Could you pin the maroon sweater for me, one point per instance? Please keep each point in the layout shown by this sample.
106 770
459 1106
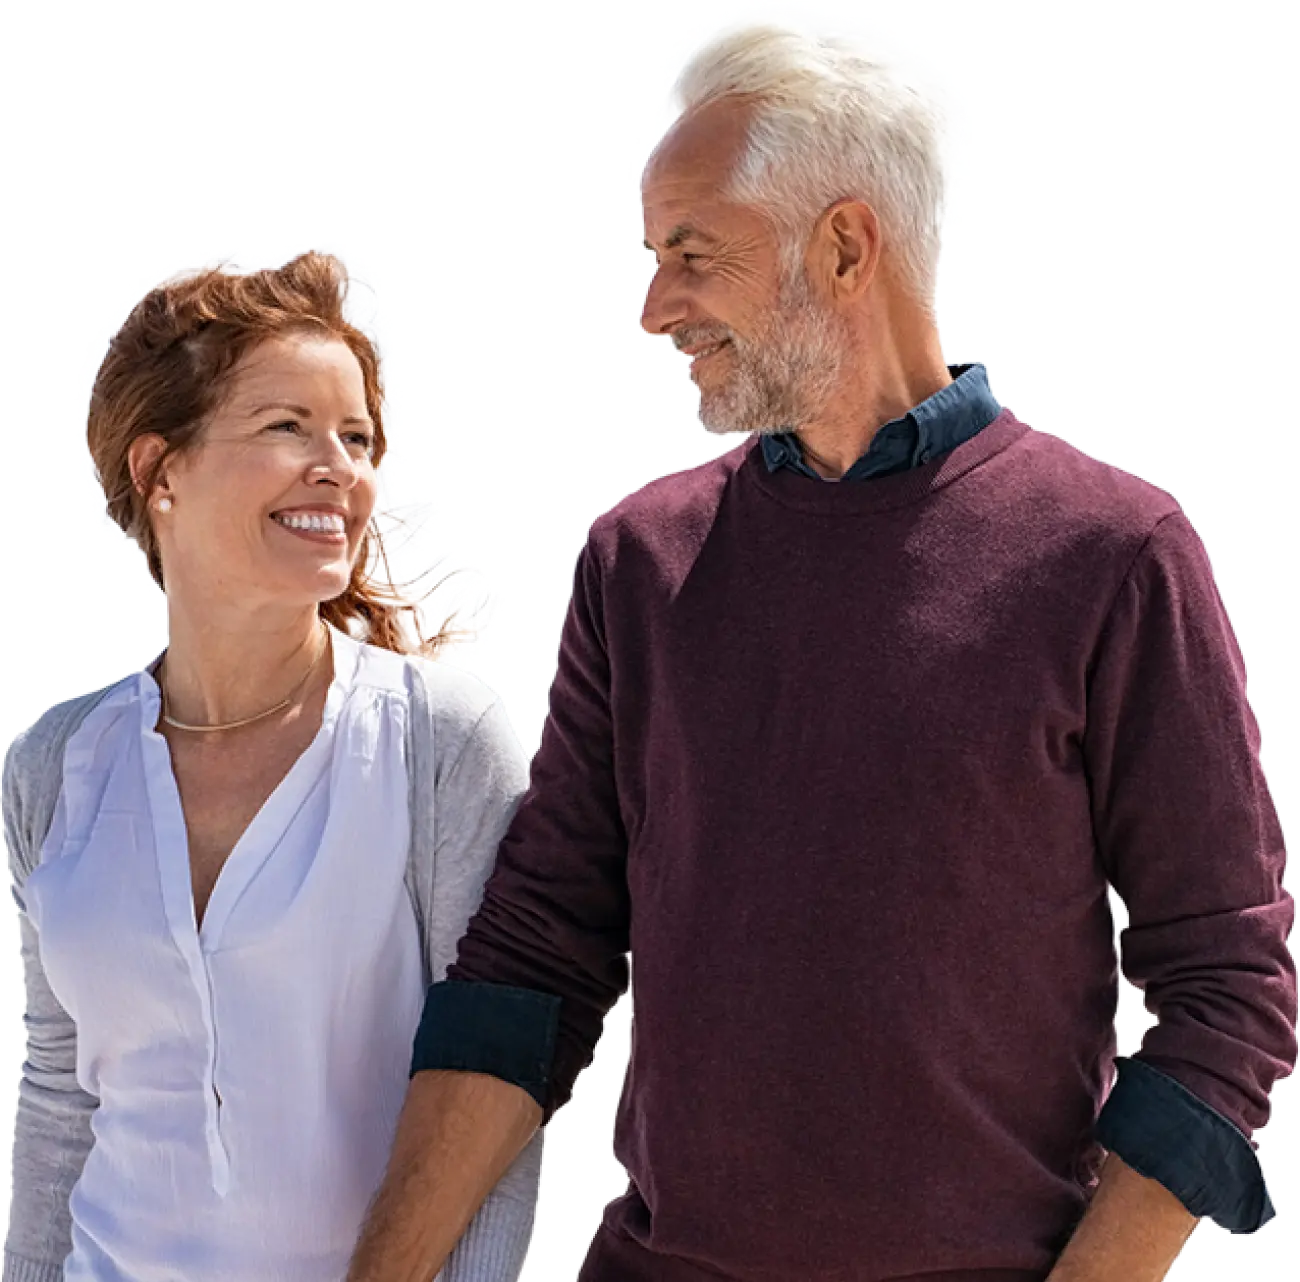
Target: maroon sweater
849 768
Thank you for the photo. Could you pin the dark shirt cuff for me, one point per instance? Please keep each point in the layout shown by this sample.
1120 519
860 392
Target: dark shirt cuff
489 1028
1166 1133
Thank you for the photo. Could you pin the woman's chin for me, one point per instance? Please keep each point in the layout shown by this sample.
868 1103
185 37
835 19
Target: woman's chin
306 589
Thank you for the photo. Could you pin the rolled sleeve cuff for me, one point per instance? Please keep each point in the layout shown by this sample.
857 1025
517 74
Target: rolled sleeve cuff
495 1029
1166 1133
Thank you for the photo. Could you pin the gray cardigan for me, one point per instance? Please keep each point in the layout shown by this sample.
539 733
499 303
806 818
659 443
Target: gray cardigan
467 773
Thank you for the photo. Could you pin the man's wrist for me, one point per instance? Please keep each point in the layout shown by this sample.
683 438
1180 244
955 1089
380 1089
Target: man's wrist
1132 1231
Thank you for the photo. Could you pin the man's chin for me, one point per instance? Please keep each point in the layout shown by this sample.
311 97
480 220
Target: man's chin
748 431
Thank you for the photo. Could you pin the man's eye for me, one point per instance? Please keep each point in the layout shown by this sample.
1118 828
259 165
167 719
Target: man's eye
691 258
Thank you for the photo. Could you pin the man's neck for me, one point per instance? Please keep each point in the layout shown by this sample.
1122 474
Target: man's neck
831 449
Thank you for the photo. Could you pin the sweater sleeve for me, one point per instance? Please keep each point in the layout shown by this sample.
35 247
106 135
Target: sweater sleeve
545 956
52 1135
1190 840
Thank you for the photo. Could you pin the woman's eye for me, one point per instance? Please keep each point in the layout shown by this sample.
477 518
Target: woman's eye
360 437
362 440
288 423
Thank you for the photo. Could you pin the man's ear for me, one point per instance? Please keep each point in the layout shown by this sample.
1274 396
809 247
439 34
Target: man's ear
846 242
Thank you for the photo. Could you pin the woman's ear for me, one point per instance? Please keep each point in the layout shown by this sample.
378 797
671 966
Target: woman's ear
139 458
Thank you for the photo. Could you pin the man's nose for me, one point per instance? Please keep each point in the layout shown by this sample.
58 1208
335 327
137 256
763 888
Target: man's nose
664 306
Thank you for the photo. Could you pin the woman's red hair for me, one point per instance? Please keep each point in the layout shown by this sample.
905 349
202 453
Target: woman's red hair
170 366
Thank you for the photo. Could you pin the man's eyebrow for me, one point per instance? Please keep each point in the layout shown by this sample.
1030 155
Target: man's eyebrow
300 410
682 233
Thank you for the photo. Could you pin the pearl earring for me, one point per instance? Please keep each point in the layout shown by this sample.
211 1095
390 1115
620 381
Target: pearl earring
164 505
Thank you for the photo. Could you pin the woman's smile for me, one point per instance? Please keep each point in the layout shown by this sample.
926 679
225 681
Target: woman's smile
330 537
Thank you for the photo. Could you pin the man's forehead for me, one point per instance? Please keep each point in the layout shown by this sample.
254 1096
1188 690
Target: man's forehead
703 134
683 189
692 151
688 214
695 202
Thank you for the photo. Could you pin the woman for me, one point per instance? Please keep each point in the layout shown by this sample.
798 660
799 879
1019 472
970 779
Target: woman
240 867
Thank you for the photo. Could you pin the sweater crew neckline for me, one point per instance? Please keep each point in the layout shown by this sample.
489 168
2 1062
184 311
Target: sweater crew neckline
883 493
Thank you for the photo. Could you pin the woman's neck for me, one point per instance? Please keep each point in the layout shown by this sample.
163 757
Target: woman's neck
224 666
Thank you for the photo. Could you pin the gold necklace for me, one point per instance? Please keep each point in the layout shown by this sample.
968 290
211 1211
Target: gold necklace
234 725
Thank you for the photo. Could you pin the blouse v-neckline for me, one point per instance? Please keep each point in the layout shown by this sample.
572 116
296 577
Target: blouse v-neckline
263 832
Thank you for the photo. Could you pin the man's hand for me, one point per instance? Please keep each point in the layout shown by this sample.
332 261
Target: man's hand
1132 1230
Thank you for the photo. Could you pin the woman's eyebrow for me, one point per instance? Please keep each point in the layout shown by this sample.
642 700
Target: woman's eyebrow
300 410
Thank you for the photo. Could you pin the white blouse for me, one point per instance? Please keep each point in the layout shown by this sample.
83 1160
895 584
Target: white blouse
249 1073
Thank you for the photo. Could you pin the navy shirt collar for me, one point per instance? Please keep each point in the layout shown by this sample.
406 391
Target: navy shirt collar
942 422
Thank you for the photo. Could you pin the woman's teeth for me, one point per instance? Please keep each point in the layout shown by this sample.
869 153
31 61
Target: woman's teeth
319 521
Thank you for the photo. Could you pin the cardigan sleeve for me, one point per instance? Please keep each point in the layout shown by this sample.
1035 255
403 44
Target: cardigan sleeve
52 1134
479 779
494 1246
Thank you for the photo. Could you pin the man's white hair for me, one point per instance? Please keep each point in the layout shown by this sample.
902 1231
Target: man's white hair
841 111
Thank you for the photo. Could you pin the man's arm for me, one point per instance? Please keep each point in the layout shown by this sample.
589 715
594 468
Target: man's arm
457 1134
1132 1231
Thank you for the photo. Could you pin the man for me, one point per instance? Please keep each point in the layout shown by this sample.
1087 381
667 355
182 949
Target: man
852 728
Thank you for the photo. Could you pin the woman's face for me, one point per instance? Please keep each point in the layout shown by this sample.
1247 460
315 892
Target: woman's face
271 505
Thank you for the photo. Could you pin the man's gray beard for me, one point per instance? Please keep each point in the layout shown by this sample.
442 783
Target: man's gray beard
789 377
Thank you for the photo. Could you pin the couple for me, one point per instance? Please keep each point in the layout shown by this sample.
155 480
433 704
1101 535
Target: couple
852 729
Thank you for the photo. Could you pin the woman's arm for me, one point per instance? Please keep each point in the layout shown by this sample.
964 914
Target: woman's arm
52 1135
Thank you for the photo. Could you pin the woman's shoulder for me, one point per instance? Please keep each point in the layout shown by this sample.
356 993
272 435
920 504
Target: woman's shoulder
455 717
31 772
449 708
40 746
454 695
470 767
